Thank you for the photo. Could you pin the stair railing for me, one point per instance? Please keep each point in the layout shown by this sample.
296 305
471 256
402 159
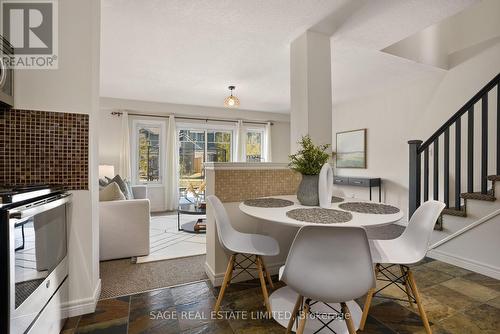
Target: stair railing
420 151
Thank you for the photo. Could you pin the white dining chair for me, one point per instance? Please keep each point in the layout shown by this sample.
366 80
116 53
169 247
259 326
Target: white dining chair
409 248
252 247
329 265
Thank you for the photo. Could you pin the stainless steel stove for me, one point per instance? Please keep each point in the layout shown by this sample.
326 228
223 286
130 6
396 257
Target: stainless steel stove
33 252
15 194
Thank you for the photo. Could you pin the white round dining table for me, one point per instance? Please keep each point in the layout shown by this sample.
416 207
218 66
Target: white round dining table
278 215
283 299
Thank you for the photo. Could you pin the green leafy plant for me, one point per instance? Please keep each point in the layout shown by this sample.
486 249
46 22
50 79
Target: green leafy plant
310 158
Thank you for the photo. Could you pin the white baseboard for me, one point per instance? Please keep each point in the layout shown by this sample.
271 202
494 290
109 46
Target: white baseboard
468 264
217 278
83 306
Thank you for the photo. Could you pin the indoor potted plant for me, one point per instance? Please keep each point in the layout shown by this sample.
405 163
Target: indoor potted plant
308 161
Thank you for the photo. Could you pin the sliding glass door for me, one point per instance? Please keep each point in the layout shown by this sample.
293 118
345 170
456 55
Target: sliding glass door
197 146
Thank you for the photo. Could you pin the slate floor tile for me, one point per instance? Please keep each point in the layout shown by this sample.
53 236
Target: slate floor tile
116 326
374 326
195 314
107 310
485 317
483 280
494 302
426 277
449 297
446 268
462 324
70 325
396 317
162 321
471 289
191 293
214 327
456 301
151 301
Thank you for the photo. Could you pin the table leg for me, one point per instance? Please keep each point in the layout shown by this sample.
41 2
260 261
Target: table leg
179 221
380 193
370 192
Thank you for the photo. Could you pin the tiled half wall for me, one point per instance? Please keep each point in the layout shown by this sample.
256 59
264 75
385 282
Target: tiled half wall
44 147
236 185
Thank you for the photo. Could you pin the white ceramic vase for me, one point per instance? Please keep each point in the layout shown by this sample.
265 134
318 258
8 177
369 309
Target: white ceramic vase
325 186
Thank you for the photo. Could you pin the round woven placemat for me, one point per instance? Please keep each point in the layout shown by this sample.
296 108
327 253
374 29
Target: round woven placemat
336 199
320 216
268 202
373 208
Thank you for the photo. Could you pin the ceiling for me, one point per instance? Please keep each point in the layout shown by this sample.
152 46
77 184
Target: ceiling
188 52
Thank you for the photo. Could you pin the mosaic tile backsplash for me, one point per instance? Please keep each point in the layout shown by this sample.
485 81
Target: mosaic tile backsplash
239 185
44 147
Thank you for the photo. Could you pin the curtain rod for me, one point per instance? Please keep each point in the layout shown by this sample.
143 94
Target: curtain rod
119 113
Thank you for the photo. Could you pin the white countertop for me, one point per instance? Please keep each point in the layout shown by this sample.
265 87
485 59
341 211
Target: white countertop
278 215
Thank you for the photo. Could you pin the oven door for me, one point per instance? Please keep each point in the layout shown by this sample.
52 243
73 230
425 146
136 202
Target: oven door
38 261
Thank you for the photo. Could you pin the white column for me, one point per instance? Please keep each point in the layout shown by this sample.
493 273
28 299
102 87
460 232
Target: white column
310 89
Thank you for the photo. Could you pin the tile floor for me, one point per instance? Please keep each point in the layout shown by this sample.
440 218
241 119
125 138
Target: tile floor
456 300
168 243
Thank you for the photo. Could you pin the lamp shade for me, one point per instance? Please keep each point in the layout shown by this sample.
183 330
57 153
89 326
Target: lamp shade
232 101
106 170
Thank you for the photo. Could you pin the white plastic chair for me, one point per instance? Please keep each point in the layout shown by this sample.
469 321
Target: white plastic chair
409 248
330 265
245 244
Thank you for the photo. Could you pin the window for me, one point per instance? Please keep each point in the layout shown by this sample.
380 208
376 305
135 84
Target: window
219 146
191 157
254 145
147 158
197 146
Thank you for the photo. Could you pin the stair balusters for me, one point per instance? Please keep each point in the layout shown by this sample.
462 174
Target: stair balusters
417 149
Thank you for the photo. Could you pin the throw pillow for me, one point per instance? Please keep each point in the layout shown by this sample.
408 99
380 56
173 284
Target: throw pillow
123 187
111 192
129 188
103 183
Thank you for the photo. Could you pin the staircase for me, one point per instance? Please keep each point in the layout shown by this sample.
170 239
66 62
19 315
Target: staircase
460 166
456 205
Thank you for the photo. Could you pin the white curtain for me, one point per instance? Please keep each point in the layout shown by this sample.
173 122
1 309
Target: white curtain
172 167
267 150
240 143
124 169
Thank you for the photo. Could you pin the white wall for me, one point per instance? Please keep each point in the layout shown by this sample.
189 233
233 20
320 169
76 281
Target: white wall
74 88
110 129
414 111
476 250
389 120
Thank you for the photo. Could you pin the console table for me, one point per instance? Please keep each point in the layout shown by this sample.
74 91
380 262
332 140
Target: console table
367 182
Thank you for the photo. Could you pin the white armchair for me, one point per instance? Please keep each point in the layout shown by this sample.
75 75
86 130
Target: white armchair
124 226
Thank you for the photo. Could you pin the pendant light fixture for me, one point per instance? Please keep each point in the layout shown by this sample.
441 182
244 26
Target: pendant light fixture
232 101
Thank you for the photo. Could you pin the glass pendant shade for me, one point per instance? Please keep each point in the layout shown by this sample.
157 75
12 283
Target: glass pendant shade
231 101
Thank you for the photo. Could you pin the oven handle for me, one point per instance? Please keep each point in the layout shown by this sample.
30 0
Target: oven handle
3 73
30 212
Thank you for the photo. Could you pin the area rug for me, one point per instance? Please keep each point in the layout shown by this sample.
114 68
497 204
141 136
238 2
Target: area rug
122 277
167 242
